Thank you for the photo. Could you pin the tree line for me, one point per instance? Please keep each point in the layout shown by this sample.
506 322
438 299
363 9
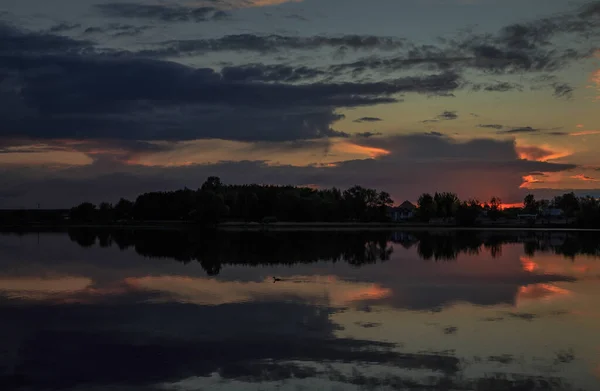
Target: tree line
214 202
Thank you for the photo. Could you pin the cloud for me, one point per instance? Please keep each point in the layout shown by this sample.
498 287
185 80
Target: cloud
65 26
368 119
436 134
406 166
498 87
271 43
563 90
165 13
585 178
367 134
491 126
269 73
526 129
85 94
117 29
540 153
585 133
448 115
445 116
17 42
529 47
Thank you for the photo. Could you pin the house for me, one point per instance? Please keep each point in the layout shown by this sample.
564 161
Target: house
553 212
405 211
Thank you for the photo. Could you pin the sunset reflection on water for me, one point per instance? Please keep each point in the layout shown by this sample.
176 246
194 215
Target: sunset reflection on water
506 309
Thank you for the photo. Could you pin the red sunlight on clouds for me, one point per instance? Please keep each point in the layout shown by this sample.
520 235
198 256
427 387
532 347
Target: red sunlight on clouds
372 152
511 205
537 292
585 178
542 153
528 264
322 289
528 180
585 133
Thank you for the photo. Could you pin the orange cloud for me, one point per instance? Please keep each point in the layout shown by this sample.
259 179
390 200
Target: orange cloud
585 178
540 292
351 148
312 152
511 205
585 133
528 180
319 289
528 264
39 153
540 154
580 126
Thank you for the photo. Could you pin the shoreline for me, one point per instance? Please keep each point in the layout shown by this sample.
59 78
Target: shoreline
293 226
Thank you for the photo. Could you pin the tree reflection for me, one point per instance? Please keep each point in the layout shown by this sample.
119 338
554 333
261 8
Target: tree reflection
212 249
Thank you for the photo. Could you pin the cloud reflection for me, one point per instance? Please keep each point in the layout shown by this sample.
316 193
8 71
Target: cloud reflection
322 290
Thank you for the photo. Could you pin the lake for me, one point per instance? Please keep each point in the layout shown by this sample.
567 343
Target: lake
167 310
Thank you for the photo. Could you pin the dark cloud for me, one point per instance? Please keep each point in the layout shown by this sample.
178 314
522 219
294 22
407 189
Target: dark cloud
445 116
17 42
237 350
524 129
165 13
436 134
270 73
496 87
367 134
591 10
93 95
563 90
62 27
368 119
491 126
448 115
272 43
117 29
296 17
532 47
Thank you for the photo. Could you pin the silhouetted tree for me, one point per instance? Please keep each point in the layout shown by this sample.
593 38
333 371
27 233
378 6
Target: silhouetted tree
468 212
446 204
530 205
495 210
426 208
569 203
123 209
85 212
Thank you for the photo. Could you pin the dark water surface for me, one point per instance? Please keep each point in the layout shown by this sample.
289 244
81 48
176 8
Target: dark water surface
153 310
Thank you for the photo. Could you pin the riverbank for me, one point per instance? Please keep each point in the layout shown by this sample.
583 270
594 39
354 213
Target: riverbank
291 226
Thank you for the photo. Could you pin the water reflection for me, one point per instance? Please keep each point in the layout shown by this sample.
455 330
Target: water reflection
213 249
138 310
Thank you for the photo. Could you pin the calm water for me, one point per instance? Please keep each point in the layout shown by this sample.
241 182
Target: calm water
155 310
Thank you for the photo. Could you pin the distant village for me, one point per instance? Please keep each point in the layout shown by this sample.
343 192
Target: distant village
408 212
217 204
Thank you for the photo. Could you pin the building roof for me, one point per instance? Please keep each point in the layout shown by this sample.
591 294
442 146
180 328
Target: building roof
407 205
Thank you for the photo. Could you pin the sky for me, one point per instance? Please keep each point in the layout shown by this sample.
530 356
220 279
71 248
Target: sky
102 99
